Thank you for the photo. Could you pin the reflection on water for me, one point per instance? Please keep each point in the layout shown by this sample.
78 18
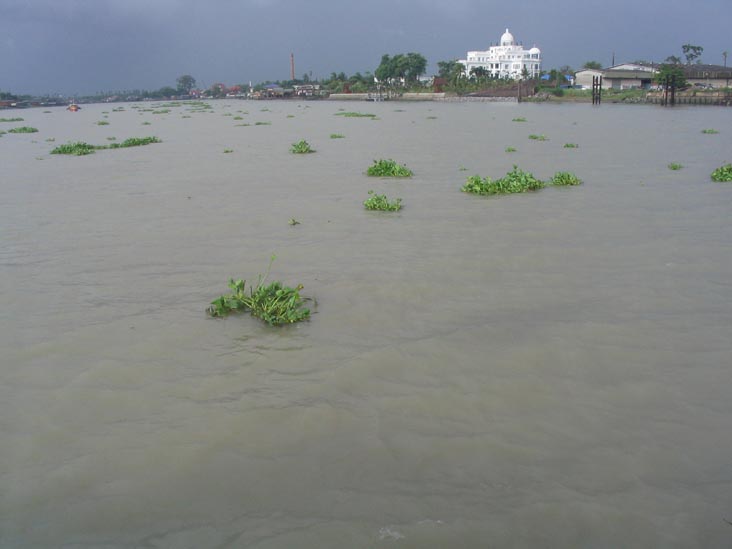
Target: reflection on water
537 370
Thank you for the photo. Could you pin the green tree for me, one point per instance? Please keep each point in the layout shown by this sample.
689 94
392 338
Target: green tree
186 83
595 65
673 60
692 53
673 73
407 66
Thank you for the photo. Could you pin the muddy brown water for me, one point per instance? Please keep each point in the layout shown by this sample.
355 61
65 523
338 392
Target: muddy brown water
541 370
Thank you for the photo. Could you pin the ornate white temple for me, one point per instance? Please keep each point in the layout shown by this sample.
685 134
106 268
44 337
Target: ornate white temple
508 60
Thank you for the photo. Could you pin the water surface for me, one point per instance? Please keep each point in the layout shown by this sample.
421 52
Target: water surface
549 369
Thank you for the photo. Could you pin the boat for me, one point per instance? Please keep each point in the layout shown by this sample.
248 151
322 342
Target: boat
73 107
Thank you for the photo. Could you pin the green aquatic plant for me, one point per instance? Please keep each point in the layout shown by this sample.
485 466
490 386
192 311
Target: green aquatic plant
515 181
355 114
301 147
161 111
431 118
78 148
50 140
293 221
571 146
519 119
23 129
11 120
536 137
565 179
263 123
337 136
675 166
132 142
723 173
274 303
146 123
381 203
111 139
710 131
510 149
388 168
238 118
227 151
102 123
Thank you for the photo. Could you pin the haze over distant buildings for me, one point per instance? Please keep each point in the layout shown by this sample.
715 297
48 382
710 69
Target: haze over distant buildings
86 46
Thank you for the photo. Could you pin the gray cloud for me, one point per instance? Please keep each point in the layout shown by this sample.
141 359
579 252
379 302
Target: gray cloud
81 46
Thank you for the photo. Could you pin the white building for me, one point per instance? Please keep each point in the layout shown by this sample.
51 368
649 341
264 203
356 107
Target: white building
508 60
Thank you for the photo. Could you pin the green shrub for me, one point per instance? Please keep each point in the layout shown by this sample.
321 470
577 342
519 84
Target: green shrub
23 129
301 147
515 181
564 179
388 168
723 173
274 303
381 202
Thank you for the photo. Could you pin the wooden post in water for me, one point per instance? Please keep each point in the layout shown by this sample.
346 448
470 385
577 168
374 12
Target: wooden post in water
596 90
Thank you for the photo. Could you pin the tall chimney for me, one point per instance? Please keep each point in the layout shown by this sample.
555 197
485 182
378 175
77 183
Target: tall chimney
292 66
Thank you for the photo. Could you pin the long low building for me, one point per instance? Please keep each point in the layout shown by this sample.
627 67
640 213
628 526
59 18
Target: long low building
636 76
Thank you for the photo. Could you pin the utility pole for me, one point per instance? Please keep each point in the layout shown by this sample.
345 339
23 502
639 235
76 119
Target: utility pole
292 66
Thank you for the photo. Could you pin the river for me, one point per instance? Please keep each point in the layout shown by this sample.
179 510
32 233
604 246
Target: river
540 370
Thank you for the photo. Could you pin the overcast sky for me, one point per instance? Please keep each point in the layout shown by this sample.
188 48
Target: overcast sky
87 46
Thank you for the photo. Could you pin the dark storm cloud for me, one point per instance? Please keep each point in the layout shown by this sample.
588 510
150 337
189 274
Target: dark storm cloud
81 46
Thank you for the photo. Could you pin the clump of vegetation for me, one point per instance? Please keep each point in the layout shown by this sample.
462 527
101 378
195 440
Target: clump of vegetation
23 129
290 116
355 114
674 166
571 146
80 148
519 119
111 139
723 173
77 149
381 202
132 142
274 303
565 179
337 136
710 131
293 221
102 123
388 168
510 149
161 111
263 123
146 123
52 139
238 118
431 118
515 181
538 137
301 147
11 120
227 151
